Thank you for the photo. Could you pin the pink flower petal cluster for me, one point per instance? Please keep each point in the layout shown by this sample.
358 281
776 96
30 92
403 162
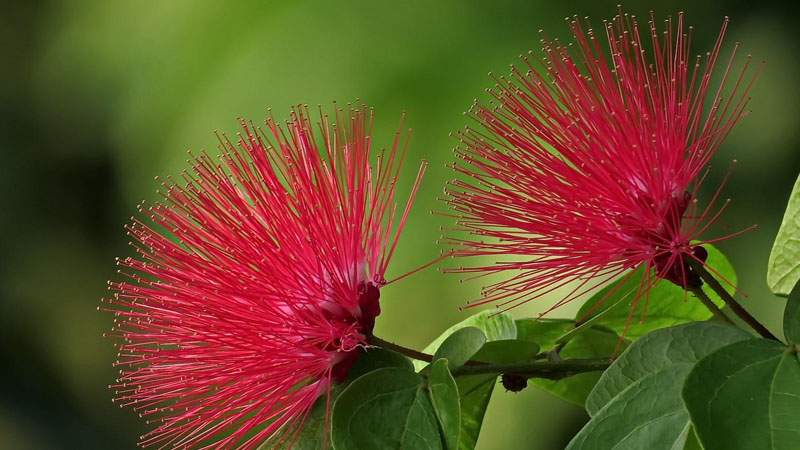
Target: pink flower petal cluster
586 163
256 280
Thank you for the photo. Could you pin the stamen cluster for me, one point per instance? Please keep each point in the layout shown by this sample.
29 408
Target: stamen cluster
586 163
256 280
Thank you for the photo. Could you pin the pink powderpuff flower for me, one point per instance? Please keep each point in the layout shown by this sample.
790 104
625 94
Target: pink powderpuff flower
257 281
587 166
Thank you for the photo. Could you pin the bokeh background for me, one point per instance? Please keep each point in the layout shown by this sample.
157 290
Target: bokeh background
100 96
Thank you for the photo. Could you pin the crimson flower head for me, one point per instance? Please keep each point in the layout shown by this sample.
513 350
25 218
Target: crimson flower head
256 280
586 163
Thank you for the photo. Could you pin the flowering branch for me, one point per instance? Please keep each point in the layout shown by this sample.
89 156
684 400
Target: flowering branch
551 370
730 301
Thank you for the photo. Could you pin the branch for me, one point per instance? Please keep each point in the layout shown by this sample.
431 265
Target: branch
730 301
378 342
551 370
709 304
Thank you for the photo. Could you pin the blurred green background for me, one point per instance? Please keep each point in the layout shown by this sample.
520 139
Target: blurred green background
99 96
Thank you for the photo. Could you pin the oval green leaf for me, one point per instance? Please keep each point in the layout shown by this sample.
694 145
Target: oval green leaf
386 409
495 326
460 346
637 402
648 415
746 396
783 269
682 344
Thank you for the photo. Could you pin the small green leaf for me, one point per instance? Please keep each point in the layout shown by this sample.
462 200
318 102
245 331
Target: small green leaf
445 400
667 304
459 347
386 409
783 269
495 326
746 396
597 342
791 316
658 350
507 351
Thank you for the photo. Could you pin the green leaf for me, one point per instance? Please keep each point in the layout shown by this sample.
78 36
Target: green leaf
445 400
667 304
543 331
495 326
783 269
507 351
648 415
682 344
791 316
746 396
597 342
637 402
385 409
460 346
312 434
